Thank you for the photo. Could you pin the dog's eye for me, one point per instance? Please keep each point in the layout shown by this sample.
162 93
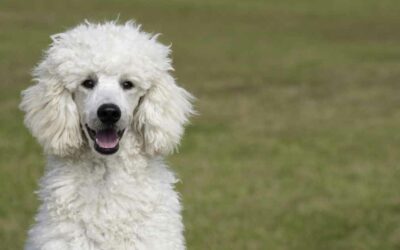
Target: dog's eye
88 83
127 85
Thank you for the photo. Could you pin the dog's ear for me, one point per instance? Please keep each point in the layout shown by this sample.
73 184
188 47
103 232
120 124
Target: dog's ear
161 115
52 117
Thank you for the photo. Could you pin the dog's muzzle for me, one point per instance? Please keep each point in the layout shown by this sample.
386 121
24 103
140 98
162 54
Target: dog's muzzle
106 138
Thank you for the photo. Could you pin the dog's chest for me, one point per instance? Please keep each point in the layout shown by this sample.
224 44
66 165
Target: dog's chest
114 203
110 205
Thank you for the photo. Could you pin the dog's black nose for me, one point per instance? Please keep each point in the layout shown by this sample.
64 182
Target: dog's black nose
109 113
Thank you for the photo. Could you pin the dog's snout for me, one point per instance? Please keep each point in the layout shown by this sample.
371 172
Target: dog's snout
109 113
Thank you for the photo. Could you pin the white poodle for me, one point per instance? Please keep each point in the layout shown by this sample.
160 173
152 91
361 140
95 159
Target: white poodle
106 110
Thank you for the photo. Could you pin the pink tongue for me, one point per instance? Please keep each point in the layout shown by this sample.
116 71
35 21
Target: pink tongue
107 138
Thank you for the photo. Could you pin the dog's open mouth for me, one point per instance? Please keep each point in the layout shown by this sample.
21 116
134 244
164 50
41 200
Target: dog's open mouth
106 141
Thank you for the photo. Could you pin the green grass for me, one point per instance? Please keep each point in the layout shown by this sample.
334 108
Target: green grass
297 144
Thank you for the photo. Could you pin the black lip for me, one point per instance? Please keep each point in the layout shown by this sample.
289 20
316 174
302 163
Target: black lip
91 132
104 151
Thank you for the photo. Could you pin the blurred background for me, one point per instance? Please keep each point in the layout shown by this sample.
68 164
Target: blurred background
297 144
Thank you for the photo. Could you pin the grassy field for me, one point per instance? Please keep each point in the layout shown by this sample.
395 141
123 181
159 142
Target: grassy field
297 145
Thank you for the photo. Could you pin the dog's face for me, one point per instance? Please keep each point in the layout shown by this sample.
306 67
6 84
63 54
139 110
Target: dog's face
106 104
99 82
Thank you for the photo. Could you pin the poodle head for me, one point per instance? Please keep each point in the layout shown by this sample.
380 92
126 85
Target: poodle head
98 82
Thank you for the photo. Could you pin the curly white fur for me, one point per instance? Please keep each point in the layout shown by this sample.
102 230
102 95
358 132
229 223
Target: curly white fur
121 201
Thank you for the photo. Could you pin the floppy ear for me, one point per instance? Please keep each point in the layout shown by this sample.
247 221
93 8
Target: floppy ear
52 117
162 113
